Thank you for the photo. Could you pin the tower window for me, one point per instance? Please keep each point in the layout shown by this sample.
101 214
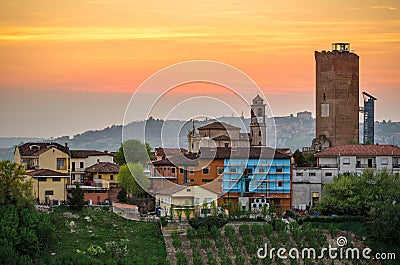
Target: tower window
259 133
324 97
259 112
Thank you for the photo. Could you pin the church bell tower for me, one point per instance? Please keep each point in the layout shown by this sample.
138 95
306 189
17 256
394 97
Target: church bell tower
258 128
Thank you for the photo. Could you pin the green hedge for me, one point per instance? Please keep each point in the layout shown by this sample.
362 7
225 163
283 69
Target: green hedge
330 219
207 222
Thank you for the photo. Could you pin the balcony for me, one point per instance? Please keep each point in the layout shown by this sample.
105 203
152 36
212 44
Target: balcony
365 166
328 166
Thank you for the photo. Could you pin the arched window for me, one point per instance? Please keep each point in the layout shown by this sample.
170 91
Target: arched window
259 112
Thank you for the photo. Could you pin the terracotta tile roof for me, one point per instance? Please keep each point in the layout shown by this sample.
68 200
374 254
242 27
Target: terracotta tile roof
360 150
186 159
160 151
35 149
87 153
103 167
221 138
218 126
241 152
46 172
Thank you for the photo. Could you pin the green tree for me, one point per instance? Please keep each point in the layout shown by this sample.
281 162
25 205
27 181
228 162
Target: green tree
122 195
76 199
14 188
214 209
299 158
133 151
360 194
133 180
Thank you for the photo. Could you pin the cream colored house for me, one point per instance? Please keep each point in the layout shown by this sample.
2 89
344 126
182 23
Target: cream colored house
51 156
49 186
182 197
82 159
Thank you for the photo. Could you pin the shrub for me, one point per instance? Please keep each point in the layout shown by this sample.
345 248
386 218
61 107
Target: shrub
205 243
244 229
181 258
229 231
191 233
207 222
176 242
215 231
256 229
267 229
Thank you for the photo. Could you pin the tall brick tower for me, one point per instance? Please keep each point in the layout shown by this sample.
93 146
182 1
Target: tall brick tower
337 93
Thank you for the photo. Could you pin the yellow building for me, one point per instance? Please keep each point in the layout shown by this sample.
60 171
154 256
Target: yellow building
49 186
82 159
51 156
104 171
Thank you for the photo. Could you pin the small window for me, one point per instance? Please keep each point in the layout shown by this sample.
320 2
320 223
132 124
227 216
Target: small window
111 177
49 192
384 161
249 171
220 170
346 161
226 144
261 170
172 170
232 170
100 176
191 180
206 170
280 184
299 174
56 179
181 170
311 174
61 164
42 179
279 170
191 171
206 180
259 133
72 176
328 174
197 201
81 164
188 190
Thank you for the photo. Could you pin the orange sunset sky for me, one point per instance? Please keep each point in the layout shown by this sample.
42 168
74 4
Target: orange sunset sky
70 66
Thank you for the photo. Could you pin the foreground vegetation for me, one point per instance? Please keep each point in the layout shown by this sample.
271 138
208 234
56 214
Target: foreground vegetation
90 236
238 244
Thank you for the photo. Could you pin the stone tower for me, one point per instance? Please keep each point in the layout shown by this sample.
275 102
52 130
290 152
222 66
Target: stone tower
337 93
258 131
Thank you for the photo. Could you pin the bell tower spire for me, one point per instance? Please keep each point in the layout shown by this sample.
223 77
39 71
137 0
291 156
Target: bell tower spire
258 129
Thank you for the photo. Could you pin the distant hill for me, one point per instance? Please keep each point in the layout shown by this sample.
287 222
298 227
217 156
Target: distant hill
291 132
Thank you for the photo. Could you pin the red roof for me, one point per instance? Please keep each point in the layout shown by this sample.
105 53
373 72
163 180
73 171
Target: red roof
103 167
46 172
360 150
87 153
160 151
35 149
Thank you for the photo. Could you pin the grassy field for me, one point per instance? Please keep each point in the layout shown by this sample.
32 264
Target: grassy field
98 236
